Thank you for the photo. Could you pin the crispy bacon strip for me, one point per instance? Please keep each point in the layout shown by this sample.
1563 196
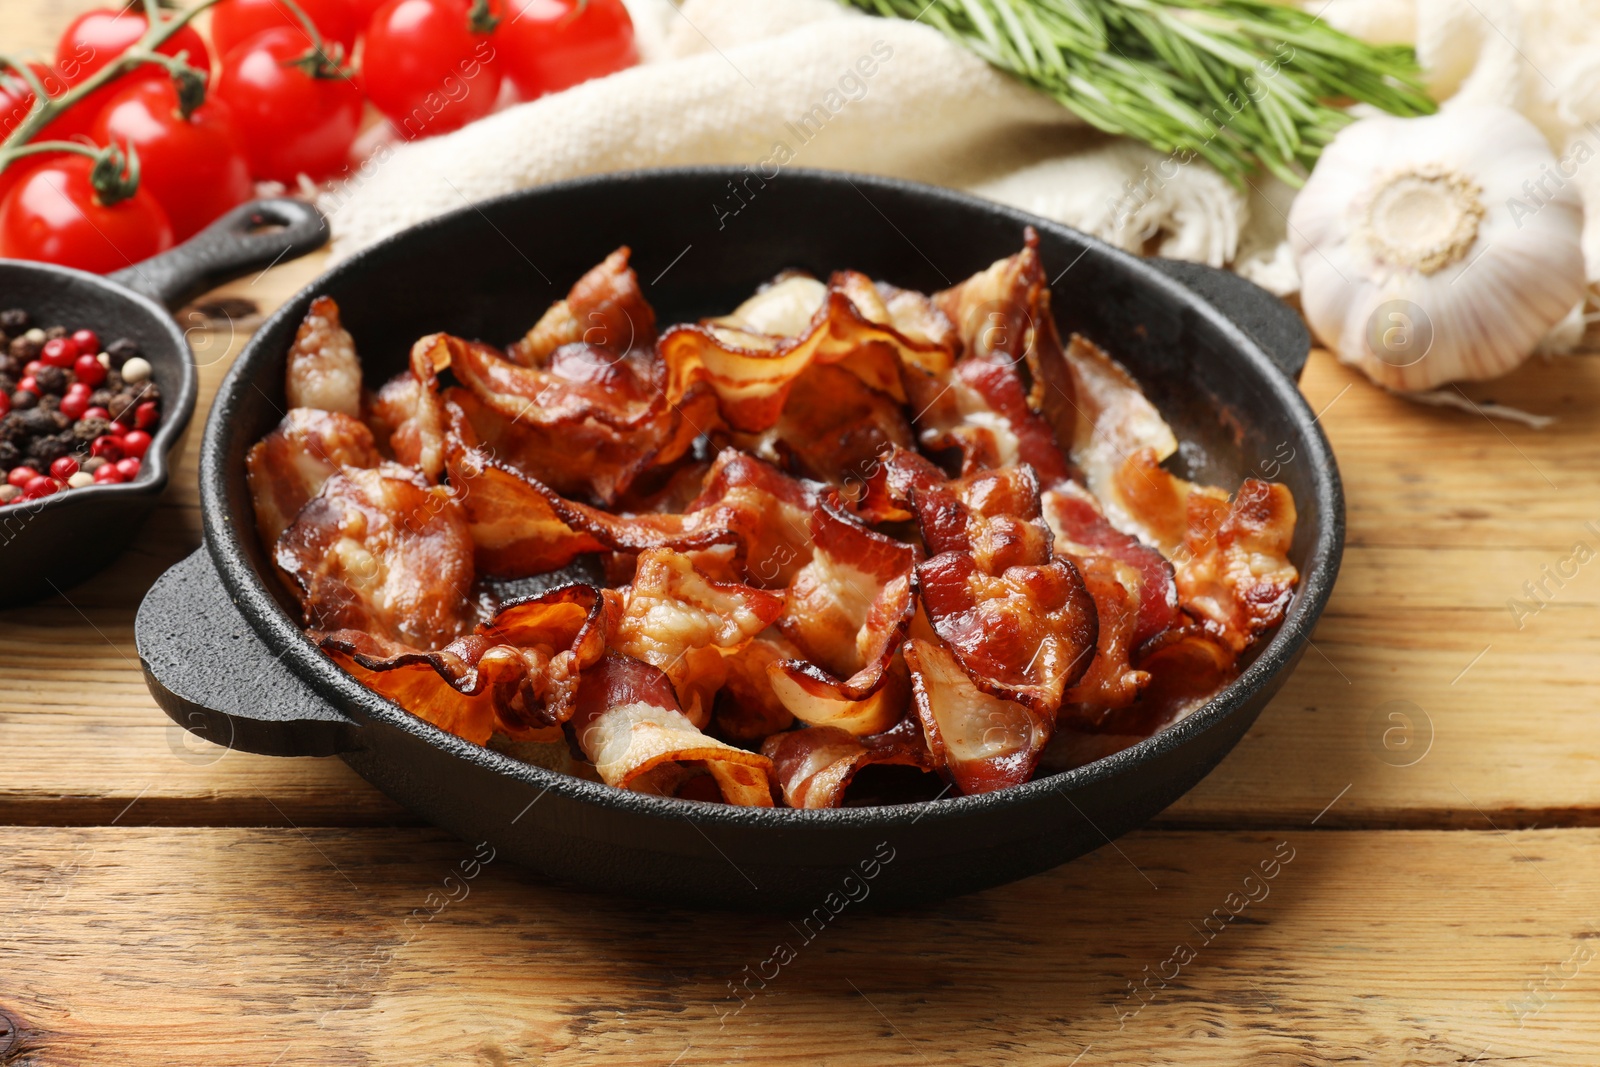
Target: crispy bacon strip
814 766
1231 557
516 674
848 610
746 708
287 467
1083 533
833 428
628 723
752 373
587 423
407 414
605 309
979 741
1018 619
378 551
323 370
984 407
675 618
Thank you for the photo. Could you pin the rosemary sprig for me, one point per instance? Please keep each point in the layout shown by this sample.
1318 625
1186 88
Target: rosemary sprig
1240 83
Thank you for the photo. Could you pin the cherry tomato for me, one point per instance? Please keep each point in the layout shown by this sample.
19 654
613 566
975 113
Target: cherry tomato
234 22
97 37
54 215
427 68
195 167
549 45
364 10
292 122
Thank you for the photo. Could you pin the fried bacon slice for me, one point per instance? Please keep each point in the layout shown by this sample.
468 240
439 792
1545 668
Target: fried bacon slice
406 415
675 618
1019 619
814 766
979 741
1231 557
382 552
1083 533
984 407
848 610
516 674
605 309
833 428
752 373
587 423
746 708
628 724
287 467
1117 421
323 371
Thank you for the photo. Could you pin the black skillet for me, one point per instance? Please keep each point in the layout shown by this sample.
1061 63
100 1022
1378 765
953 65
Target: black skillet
51 544
224 655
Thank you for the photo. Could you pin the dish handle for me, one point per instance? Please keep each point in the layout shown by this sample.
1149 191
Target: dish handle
1274 326
215 678
253 236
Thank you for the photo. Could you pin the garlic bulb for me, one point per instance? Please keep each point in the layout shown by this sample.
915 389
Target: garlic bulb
1438 249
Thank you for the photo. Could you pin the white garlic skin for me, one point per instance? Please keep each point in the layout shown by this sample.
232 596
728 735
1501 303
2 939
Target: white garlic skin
1495 299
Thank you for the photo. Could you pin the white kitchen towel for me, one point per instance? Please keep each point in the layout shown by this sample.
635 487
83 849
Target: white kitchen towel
810 83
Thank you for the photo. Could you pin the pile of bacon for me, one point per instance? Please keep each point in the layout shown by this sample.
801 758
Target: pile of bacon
846 526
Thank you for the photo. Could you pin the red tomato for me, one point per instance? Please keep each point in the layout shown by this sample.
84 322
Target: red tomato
97 37
364 10
235 21
427 69
195 167
292 123
548 45
53 215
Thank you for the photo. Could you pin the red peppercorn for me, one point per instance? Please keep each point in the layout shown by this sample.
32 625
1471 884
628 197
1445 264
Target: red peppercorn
5 404
40 486
97 413
88 342
108 475
21 476
63 468
134 443
88 371
28 385
73 405
128 468
107 447
59 352
33 366
146 415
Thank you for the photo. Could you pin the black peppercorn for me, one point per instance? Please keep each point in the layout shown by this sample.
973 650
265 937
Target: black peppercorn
38 422
11 427
50 402
54 332
113 381
22 400
100 398
15 321
91 426
121 350
46 450
53 380
8 384
22 349
10 455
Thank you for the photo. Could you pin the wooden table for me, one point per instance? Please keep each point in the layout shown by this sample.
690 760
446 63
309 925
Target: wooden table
1428 780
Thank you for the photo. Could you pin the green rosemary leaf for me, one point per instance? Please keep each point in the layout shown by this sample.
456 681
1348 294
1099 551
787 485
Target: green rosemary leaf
1244 84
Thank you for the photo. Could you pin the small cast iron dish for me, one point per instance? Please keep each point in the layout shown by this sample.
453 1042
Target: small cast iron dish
224 655
51 544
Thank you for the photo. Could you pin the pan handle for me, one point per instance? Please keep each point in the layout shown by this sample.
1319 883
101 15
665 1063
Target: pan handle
214 677
1274 326
227 249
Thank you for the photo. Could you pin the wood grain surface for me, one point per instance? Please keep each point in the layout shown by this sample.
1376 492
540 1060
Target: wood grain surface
1425 794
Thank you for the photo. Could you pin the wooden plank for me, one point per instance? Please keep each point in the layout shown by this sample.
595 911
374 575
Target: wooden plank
251 946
